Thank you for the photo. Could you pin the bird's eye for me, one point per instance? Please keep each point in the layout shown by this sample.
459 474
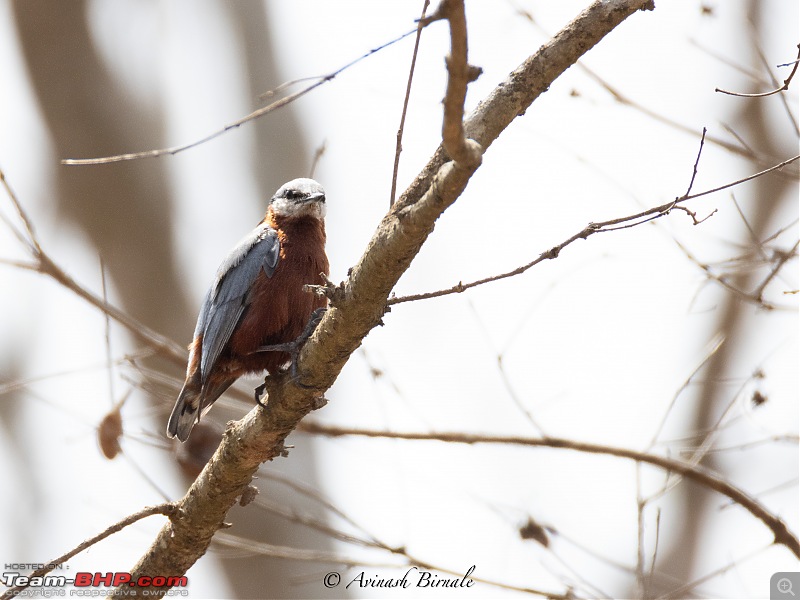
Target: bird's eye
292 194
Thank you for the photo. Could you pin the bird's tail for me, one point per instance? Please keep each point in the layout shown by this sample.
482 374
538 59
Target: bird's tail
186 412
193 402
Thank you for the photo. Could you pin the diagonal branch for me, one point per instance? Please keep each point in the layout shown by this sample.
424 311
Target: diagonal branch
358 305
401 128
168 509
256 114
42 263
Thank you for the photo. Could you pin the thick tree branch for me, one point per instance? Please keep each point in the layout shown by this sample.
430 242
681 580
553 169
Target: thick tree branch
358 305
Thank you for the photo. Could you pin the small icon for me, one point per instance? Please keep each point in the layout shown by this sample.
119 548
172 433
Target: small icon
782 585
785 586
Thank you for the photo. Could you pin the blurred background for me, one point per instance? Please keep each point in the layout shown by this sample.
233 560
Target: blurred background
671 338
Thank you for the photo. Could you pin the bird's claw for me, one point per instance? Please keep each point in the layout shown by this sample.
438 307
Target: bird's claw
259 393
293 348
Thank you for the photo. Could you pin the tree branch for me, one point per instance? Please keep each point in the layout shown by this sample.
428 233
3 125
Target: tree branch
167 509
782 88
256 114
460 74
359 303
694 472
401 128
42 263
639 218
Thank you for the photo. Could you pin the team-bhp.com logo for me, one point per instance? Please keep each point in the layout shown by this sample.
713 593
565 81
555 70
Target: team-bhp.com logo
84 579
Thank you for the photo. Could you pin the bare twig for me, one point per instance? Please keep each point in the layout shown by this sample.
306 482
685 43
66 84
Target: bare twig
687 590
756 297
782 88
28 238
604 226
107 319
696 163
318 153
369 540
316 496
168 509
640 541
401 128
743 150
783 258
239 122
45 265
274 551
694 472
659 117
753 237
711 349
782 97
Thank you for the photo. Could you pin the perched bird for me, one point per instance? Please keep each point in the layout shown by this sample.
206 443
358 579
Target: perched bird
256 307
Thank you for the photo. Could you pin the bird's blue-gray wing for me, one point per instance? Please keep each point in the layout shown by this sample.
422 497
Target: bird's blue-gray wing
229 294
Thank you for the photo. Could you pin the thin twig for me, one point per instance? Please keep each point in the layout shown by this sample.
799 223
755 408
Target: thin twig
782 88
399 147
107 319
657 116
274 551
168 509
235 124
783 535
774 79
686 590
783 258
605 226
713 346
744 150
652 569
641 503
29 240
318 153
315 495
753 237
45 265
696 163
756 297
369 540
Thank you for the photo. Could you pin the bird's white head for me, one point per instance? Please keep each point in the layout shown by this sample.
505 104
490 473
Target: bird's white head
299 198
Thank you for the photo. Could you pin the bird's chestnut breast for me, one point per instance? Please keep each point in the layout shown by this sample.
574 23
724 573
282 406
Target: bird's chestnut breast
278 307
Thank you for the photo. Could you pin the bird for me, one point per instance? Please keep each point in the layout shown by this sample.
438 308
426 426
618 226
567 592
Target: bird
256 312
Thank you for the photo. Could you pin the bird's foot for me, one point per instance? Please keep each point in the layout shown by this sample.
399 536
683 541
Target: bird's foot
259 393
293 348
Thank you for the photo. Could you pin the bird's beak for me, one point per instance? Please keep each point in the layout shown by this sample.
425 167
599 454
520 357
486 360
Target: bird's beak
318 197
